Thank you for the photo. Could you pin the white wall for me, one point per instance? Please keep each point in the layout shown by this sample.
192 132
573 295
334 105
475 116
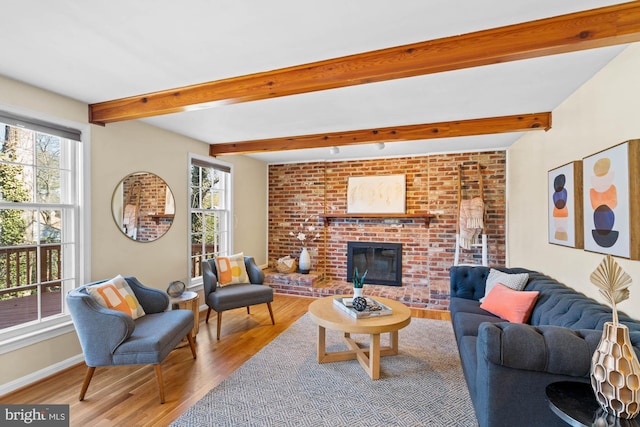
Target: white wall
116 151
605 111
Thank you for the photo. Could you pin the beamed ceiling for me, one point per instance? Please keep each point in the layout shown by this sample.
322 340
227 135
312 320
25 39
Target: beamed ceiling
285 80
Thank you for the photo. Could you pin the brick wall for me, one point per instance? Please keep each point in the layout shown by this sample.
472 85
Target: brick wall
304 191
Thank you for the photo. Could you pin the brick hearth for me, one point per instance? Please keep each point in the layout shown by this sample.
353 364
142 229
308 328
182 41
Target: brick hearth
313 285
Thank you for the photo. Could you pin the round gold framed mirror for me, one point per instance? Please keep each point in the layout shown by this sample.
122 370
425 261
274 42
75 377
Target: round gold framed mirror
143 206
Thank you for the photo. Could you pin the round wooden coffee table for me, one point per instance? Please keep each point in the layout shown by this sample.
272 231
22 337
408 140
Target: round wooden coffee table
327 316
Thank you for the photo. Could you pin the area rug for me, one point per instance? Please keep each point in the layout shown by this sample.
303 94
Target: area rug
283 385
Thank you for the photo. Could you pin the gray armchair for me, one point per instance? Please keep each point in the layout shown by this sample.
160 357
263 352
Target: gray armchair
237 295
112 338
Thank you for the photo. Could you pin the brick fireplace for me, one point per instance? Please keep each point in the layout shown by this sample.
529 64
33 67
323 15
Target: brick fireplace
302 191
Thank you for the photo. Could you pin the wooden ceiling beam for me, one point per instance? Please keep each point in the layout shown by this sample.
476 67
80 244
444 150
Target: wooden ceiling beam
485 126
594 28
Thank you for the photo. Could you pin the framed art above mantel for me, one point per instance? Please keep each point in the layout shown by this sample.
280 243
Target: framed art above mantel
379 194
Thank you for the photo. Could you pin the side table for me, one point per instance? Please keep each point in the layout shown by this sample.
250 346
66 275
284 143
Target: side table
576 405
188 301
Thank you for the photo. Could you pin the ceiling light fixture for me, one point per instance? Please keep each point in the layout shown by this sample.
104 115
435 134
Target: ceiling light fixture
334 150
380 145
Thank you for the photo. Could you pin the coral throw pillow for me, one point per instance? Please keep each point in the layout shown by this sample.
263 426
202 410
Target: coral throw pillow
514 306
231 269
117 295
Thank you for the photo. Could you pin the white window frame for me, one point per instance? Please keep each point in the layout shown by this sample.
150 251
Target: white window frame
196 282
31 333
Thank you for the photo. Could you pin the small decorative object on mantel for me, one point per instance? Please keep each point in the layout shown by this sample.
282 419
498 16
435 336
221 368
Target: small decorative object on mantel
358 282
176 288
286 265
615 371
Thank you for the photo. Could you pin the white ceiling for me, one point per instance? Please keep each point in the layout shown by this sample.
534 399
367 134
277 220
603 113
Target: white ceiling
97 51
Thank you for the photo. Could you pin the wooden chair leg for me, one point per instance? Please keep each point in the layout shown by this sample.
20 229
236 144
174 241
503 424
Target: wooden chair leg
273 322
158 369
208 313
248 310
192 344
219 323
87 380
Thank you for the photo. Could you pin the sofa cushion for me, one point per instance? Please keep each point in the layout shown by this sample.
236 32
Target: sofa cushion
516 281
466 324
153 338
514 306
239 295
464 305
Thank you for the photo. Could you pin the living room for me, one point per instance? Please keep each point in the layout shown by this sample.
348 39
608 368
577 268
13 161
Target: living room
601 113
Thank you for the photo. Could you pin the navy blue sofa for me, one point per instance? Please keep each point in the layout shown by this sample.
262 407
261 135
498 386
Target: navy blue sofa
507 366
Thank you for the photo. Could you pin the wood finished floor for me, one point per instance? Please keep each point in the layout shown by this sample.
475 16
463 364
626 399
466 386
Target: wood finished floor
128 396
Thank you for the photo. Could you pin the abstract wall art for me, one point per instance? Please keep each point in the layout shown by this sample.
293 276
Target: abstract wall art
611 200
376 194
565 205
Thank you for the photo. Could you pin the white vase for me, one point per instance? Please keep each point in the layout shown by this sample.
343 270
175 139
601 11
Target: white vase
305 261
357 292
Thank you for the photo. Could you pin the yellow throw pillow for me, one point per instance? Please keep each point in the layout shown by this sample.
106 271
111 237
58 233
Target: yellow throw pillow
117 295
231 269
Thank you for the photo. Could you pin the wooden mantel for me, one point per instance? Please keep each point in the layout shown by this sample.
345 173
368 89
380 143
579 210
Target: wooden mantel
381 216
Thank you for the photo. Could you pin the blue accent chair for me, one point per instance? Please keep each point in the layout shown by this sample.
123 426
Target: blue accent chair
237 295
112 338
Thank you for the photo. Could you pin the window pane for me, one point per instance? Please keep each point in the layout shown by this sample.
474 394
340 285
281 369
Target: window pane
14 183
20 143
18 307
196 226
20 267
195 197
47 151
217 179
52 300
18 227
50 226
50 264
48 185
217 200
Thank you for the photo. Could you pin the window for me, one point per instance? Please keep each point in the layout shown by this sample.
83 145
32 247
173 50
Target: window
210 212
39 223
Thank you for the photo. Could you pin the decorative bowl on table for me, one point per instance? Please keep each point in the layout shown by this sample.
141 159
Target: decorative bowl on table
176 288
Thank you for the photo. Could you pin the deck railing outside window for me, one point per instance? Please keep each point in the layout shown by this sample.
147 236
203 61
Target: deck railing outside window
22 284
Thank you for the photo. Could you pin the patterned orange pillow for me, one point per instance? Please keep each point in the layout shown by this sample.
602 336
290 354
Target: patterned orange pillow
231 269
117 295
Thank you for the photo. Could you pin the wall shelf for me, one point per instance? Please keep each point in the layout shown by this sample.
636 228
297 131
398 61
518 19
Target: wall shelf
416 216
157 218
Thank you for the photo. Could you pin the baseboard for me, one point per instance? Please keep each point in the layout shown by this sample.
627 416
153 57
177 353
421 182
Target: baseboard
40 375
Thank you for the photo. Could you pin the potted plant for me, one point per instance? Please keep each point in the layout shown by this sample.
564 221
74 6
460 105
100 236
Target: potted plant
358 282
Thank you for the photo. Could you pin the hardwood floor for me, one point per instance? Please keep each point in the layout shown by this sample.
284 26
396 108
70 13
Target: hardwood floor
128 396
